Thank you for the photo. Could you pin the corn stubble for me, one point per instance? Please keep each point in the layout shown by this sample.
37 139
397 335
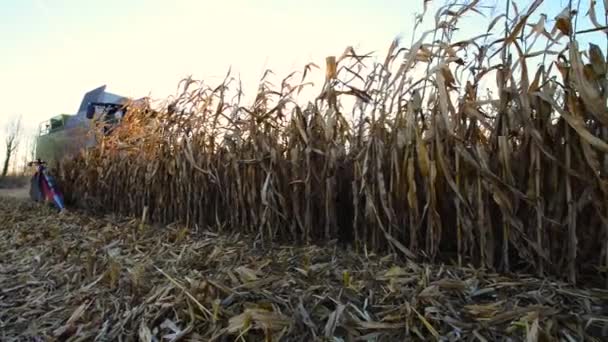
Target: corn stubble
425 164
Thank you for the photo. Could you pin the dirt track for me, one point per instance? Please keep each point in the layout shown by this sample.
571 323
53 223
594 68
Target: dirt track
16 193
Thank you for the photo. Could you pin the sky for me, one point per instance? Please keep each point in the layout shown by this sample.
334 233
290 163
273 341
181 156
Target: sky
53 51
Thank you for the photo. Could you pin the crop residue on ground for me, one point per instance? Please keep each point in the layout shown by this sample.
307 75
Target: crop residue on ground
77 277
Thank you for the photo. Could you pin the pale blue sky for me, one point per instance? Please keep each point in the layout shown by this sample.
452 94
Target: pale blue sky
51 52
66 47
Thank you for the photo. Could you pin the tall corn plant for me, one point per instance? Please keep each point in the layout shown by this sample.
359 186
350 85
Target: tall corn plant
422 162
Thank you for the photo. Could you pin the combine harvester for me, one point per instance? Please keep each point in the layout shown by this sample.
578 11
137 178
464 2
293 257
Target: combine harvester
67 135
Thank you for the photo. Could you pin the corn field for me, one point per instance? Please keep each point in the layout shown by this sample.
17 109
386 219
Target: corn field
424 162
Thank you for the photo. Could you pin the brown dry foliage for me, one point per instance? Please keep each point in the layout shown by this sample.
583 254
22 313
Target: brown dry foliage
425 164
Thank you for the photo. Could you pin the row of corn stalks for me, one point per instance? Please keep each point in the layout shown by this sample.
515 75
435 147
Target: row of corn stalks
424 163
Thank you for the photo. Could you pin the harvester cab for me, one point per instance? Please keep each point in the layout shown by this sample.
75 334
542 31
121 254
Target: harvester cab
68 134
110 114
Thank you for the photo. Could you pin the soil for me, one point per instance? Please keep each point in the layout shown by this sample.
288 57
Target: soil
22 192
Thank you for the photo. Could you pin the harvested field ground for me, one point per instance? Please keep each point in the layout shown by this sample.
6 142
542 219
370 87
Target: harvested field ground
15 193
14 182
75 277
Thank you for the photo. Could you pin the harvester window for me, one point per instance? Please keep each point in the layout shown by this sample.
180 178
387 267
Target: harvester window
56 124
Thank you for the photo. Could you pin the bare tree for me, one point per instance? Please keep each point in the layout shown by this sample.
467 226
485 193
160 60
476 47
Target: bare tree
13 132
29 151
